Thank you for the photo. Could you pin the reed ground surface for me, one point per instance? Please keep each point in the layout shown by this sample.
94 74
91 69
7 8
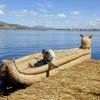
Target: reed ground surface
80 82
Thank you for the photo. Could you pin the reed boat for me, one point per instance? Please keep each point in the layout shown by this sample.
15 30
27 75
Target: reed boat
19 70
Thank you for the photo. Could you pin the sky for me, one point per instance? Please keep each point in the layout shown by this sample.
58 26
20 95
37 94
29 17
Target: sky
52 13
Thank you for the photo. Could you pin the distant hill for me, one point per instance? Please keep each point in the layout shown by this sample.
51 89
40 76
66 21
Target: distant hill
4 25
40 28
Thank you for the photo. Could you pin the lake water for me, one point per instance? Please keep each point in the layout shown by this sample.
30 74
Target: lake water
18 43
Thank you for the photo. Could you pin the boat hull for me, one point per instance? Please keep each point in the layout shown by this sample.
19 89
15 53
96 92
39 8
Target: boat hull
28 76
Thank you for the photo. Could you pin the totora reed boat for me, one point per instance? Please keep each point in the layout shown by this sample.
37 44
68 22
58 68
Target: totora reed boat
19 70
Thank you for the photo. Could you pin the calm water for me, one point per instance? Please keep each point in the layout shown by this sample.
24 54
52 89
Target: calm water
18 43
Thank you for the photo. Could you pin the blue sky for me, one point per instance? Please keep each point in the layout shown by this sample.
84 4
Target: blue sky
52 13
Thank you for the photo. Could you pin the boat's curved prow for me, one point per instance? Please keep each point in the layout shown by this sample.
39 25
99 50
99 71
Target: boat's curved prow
32 75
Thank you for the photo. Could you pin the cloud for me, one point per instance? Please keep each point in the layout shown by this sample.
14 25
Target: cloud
2 6
89 25
46 15
52 15
35 14
98 20
44 5
75 13
61 15
24 13
2 12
